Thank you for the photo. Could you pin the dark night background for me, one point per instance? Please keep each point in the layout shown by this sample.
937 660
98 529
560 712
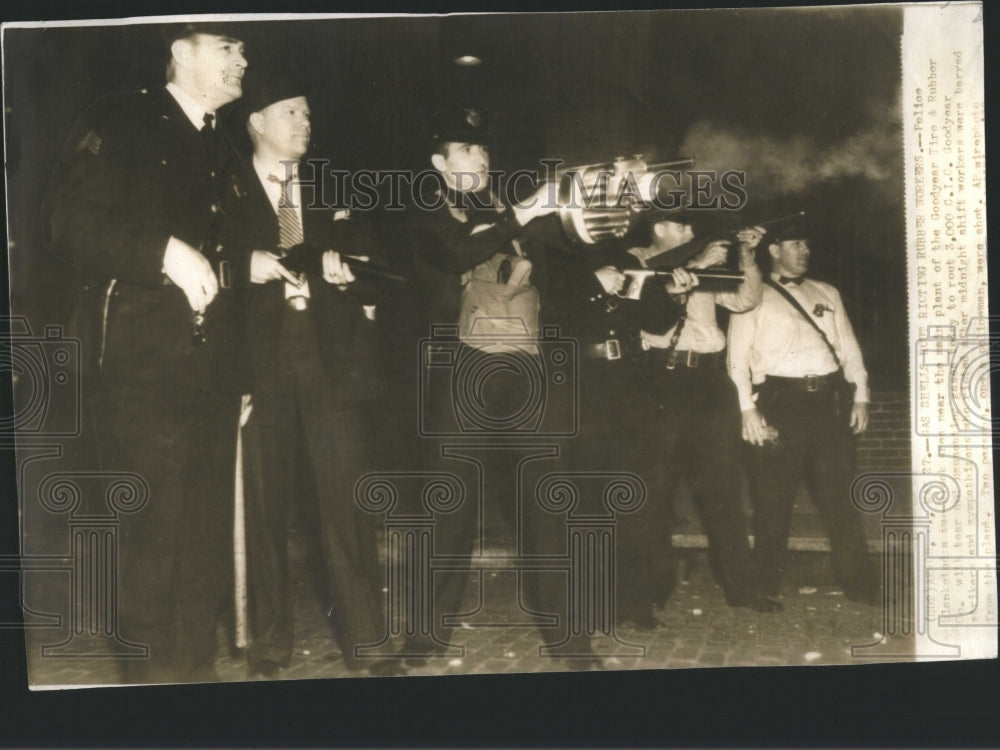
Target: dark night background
580 88
804 100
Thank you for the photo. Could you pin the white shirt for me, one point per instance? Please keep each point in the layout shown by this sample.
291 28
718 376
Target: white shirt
273 191
701 332
774 339
195 112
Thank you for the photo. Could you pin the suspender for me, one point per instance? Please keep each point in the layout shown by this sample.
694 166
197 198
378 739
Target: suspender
795 303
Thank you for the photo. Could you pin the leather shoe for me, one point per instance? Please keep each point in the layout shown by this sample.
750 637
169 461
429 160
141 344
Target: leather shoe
641 619
871 597
766 604
266 668
758 603
421 649
386 668
583 663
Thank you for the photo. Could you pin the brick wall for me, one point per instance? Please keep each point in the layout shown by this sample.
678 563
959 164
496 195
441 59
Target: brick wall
885 446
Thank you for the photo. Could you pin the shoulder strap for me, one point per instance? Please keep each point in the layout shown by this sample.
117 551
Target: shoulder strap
795 303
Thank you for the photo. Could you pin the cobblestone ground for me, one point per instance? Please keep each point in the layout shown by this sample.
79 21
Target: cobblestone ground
696 628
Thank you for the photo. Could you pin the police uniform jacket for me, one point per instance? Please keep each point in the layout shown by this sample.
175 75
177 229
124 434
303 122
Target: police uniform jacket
346 338
448 241
135 172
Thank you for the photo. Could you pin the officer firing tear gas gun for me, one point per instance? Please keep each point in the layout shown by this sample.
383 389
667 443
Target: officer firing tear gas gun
710 264
656 401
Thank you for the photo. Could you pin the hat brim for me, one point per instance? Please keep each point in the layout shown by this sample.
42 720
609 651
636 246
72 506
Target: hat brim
455 136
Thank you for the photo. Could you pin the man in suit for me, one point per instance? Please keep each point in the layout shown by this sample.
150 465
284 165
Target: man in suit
803 391
313 368
134 204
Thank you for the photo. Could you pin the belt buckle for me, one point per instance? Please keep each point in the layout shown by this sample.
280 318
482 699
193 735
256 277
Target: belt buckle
225 275
612 350
692 359
812 383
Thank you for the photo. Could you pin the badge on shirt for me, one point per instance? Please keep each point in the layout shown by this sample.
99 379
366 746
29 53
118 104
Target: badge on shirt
820 309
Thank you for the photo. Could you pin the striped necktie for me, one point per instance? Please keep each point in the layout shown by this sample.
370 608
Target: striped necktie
289 225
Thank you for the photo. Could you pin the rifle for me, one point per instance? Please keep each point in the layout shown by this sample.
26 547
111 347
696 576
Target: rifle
637 277
306 258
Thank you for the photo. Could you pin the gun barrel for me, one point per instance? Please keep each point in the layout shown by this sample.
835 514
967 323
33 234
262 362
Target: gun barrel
718 274
689 162
638 277
362 264
780 219
706 274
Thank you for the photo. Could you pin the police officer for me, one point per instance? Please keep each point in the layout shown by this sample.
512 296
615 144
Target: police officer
134 205
462 232
681 407
803 392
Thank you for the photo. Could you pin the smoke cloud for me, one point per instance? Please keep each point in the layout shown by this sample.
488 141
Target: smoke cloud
778 167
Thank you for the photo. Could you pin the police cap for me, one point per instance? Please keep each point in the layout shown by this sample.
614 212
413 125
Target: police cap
793 228
460 124
174 31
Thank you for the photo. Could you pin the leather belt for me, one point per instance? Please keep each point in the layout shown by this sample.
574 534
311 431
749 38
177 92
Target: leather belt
674 358
610 350
808 383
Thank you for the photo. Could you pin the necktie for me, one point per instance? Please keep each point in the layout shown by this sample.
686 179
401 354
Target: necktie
289 226
208 136
289 235
790 280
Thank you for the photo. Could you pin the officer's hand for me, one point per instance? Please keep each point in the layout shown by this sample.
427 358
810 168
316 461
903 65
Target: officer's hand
683 282
191 272
265 267
755 428
714 254
539 204
748 239
859 417
335 271
611 279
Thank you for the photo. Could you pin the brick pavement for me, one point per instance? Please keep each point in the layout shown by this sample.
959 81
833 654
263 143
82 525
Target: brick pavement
695 629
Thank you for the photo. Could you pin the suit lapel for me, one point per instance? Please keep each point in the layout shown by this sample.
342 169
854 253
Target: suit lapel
315 226
259 210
